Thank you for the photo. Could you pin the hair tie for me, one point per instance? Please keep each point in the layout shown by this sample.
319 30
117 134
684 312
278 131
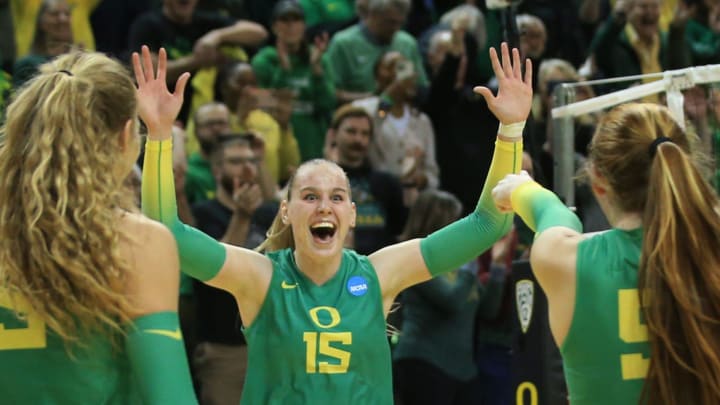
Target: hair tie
67 72
652 149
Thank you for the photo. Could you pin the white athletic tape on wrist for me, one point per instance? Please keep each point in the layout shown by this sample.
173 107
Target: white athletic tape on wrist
514 130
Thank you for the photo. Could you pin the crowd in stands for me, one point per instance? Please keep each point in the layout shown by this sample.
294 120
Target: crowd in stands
383 88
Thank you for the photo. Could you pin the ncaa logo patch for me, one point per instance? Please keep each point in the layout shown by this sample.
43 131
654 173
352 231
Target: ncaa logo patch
524 297
357 286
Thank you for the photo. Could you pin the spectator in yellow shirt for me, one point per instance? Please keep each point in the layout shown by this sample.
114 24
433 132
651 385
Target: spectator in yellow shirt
25 16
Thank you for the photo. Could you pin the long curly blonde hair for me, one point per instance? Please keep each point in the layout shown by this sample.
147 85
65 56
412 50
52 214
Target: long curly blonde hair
61 195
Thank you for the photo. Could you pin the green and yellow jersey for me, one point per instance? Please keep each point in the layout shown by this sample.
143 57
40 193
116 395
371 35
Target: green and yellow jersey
36 367
606 352
315 344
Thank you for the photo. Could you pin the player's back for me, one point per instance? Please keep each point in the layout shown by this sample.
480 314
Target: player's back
606 351
36 365
37 368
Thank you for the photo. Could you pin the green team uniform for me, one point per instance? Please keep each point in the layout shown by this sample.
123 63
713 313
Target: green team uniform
319 344
314 96
606 351
37 369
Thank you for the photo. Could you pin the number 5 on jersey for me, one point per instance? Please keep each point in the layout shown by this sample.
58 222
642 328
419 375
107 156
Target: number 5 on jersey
320 343
30 337
632 330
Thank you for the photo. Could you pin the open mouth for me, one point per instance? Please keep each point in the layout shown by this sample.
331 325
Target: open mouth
323 232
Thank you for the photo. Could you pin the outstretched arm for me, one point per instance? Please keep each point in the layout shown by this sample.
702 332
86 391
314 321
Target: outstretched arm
402 265
239 271
200 256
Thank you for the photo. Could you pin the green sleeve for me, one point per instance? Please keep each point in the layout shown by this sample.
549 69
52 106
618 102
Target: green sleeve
157 357
201 256
542 209
463 240
266 66
263 67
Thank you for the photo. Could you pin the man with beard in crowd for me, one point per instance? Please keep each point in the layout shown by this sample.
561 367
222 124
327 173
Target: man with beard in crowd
211 121
378 195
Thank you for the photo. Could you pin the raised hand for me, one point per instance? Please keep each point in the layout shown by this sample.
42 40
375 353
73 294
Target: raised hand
317 50
503 190
157 107
247 197
283 55
514 99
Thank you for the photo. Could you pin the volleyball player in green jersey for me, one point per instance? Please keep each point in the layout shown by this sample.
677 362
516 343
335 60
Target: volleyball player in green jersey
88 288
634 310
314 312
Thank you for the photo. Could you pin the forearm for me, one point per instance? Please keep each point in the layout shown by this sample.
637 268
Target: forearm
344 96
156 352
201 256
245 33
177 67
542 209
463 240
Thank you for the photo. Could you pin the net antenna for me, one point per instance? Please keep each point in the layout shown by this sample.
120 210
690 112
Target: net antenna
671 82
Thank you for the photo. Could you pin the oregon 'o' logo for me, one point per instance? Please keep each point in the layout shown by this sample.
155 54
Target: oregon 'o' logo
524 297
327 312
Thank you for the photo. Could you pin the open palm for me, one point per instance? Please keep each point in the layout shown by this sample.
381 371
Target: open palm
514 99
157 107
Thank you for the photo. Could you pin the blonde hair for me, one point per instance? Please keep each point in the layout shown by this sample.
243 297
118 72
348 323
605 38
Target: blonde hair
550 66
680 250
60 195
280 235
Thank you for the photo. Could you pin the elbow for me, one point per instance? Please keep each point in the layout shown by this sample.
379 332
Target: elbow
253 34
506 225
501 225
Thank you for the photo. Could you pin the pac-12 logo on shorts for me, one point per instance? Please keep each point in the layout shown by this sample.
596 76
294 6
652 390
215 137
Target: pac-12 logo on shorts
357 286
524 297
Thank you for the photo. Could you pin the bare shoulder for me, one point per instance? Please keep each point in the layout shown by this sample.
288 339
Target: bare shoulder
554 253
154 278
146 241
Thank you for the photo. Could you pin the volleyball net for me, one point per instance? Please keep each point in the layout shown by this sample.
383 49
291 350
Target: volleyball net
692 95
